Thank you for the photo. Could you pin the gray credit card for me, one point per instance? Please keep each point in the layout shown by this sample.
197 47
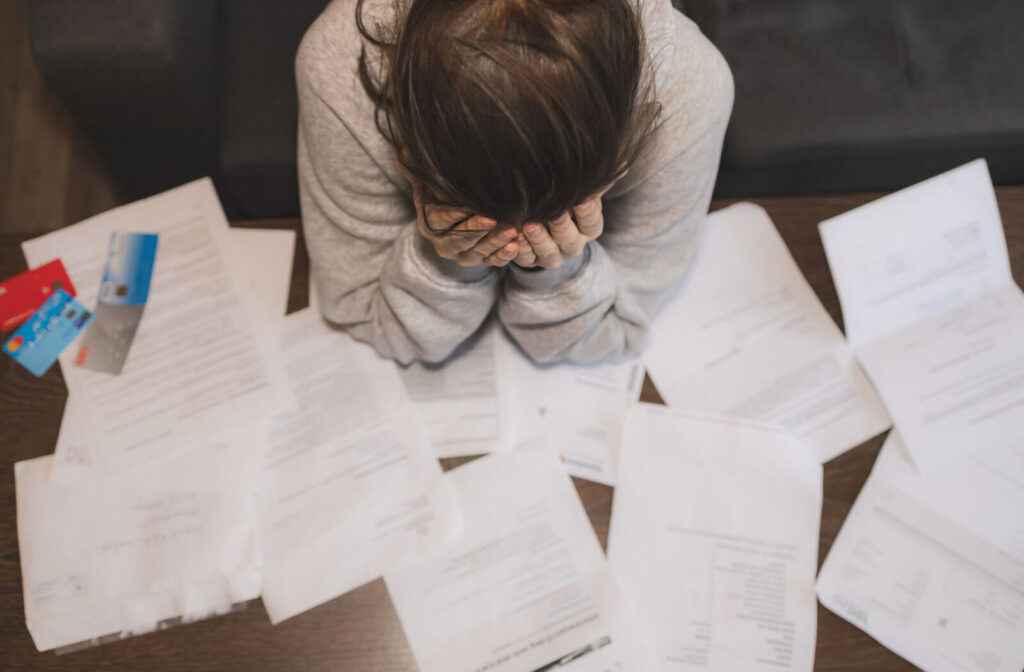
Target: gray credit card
106 341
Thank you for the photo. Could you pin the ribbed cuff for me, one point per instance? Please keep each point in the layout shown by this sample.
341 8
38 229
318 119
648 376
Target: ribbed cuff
447 268
545 279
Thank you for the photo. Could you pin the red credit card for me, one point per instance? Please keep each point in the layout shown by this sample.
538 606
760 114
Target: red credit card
22 295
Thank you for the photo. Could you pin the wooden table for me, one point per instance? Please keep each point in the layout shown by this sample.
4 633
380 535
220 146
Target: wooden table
360 630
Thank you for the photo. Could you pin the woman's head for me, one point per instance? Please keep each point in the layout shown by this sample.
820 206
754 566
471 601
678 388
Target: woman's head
514 109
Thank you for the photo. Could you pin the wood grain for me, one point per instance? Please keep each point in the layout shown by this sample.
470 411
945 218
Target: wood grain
360 631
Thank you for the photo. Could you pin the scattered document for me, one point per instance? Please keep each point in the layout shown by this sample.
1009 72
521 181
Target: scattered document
199 363
230 459
458 400
104 563
351 488
932 566
525 587
714 538
574 411
264 258
747 337
924 280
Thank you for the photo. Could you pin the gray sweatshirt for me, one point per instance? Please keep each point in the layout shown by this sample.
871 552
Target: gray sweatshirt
380 280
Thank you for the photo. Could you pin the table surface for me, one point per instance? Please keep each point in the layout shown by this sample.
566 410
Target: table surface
360 630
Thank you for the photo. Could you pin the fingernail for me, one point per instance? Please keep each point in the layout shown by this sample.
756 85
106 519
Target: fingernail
587 205
508 234
510 249
531 229
561 218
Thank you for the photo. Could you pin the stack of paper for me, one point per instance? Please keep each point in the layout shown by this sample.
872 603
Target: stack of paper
199 362
490 397
350 485
230 458
116 537
101 563
930 560
931 309
241 453
458 401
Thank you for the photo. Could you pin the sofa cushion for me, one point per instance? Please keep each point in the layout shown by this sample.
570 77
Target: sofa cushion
833 95
259 118
140 80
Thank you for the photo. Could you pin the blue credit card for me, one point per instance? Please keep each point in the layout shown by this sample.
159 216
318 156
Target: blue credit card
129 269
38 342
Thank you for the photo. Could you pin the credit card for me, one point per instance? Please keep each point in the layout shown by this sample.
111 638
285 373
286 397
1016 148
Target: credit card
122 298
129 269
37 343
105 345
22 295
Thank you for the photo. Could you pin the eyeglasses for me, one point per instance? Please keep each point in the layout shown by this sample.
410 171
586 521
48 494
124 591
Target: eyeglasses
451 229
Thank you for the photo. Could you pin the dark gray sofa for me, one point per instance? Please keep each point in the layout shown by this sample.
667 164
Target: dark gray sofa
831 95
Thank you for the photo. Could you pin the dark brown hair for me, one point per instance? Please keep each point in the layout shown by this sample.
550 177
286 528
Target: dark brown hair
514 109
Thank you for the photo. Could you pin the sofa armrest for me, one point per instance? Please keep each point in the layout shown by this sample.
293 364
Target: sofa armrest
140 79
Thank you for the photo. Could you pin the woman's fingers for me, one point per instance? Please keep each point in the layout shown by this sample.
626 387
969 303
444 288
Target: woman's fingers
468 234
442 218
525 257
502 256
462 237
544 246
563 231
491 243
589 219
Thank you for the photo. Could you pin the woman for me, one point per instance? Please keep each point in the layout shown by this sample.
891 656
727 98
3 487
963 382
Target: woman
552 157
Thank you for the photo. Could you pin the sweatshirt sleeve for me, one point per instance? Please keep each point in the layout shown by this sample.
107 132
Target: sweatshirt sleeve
599 305
375 275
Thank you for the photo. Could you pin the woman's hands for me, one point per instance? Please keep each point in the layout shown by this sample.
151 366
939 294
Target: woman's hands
549 246
468 241
479 241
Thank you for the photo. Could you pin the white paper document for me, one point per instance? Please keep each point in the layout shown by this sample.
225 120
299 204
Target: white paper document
573 411
525 588
714 538
932 566
109 563
457 400
747 337
198 363
351 488
924 280
228 459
